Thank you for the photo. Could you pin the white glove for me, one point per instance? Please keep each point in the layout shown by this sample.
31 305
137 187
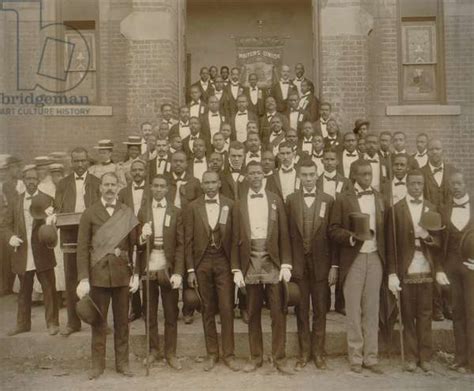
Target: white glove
83 288
394 283
146 231
51 219
134 283
285 274
49 211
441 278
469 264
421 233
175 281
239 279
15 241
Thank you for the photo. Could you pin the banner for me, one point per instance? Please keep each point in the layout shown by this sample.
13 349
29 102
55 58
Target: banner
260 55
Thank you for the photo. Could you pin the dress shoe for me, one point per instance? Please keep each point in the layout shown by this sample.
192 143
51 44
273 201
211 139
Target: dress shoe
320 362
245 316
17 330
232 364
66 332
410 366
356 368
374 368
252 366
210 363
188 319
448 313
95 373
133 317
426 366
174 363
459 368
300 364
341 311
437 316
284 368
53 330
125 371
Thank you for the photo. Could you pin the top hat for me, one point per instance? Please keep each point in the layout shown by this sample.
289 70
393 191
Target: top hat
104 144
192 298
431 221
360 226
88 311
133 140
467 245
41 161
291 294
4 161
48 235
358 123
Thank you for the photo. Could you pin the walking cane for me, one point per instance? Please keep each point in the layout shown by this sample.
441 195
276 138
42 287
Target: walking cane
147 193
397 295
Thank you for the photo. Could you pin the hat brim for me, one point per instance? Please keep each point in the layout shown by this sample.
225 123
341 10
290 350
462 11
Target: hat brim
110 148
434 229
132 144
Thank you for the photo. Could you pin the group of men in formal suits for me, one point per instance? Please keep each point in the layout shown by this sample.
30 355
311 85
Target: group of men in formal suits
255 189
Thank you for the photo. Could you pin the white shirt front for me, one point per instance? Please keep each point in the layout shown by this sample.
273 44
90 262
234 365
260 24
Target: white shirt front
214 123
297 84
307 146
249 157
195 109
367 205
258 215
212 210
137 196
419 263
309 200
234 89
347 162
158 220
80 205
177 198
329 186
110 208
323 126
460 216
421 158
204 84
161 165
294 116
438 177
399 189
30 261
199 168
218 94
183 130
287 180
284 86
253 95
241 121
375 163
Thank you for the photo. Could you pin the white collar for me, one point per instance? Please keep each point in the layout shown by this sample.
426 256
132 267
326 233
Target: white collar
142 183
461 200
182 176
206 197
410 198
32 195
84 176
162 202
313 190
395 180
359 189
432 168
290 167
330 174
203 160
114 202
261 191
181 123
400 152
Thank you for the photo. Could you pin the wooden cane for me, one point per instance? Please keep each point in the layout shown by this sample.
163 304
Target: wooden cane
147 193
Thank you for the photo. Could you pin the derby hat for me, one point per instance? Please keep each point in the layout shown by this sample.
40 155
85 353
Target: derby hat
360 226
48 235
431 221
291 294
358 124
192 298
88 311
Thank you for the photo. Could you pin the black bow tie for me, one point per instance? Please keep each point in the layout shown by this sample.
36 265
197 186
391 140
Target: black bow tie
307 142
309 195
254 155
234 85
416 201
401 183
351 154
215 115
318 156
256 195
79 178
107 205
179 180
234 170
211 201
28 198
286 170
162 160
244 113
285 82
460 205
159 205
198 161
254 88
372 160
138 187
439 169
363 193
185 125
330 179
293 110
193 137
421 154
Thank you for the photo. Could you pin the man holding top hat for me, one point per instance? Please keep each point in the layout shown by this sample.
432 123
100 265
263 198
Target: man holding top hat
162 225
458 255
33 251
357 228
264 261
107 232
211 246
308 217
413 243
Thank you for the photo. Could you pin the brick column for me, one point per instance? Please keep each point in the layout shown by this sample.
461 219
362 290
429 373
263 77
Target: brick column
344 26
155 47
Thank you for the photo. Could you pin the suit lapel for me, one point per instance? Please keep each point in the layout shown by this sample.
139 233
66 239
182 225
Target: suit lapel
278 182
299 212
245 215
271 210
316 213
352 198
203 214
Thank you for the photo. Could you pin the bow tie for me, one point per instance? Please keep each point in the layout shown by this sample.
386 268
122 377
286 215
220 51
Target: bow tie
416 201
307 142
210 201
193 137
195 104
439 169
138 187
421 154
364 193
184 125
351 154
234 170
285 82
79 178
401 183
108 205
286 170
332 139
234 85
329 178
324 122
159 205
28 198
254 155
215 115
313 195
270 116
254 88
179 180
106 163
372 160
300 79
244 113
162 160
276 133
460 205
318 156
256 195
198 161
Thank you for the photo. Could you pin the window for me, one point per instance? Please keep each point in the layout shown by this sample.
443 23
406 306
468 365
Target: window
421 52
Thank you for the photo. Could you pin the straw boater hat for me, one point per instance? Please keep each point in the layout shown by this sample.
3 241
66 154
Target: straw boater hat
58 155
56 167
41 161
28 167
104 144
133 140
4 161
